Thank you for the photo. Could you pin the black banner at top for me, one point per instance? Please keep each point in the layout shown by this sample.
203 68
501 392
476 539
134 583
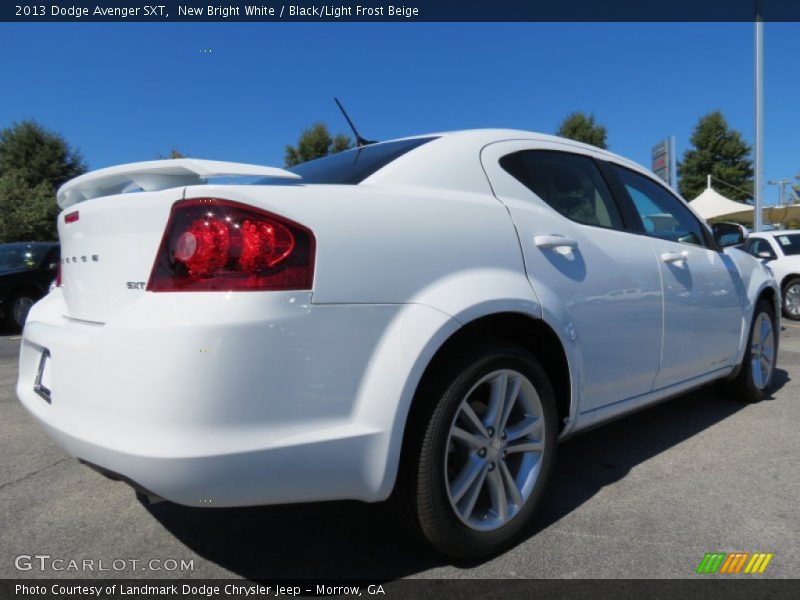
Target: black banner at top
401 11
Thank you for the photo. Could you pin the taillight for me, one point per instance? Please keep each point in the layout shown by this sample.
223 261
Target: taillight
218 245
58 274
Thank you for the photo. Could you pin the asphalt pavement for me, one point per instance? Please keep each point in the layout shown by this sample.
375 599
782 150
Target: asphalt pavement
644 497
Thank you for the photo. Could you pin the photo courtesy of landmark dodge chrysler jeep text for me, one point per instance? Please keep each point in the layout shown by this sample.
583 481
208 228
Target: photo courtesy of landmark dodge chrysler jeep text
420 319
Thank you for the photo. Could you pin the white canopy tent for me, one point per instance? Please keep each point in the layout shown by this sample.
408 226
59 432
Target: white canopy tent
713 206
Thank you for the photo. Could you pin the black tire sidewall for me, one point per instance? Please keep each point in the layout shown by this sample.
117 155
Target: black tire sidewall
10 318
440 524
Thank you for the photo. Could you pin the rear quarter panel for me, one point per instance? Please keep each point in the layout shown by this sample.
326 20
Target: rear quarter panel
387 246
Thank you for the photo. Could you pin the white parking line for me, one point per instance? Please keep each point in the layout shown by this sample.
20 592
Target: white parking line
15 337
790 325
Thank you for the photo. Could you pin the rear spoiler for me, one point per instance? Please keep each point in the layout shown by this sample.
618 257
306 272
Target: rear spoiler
157 175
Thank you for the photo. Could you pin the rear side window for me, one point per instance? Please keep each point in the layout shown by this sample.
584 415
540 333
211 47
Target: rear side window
789 243
570 183
351 166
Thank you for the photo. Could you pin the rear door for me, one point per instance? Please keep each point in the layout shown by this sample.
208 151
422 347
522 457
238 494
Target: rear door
597 281
704 297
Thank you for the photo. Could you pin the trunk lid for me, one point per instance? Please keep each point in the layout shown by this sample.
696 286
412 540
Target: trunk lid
108 252
110 233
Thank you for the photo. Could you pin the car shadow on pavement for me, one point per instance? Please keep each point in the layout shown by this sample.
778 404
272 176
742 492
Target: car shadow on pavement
353 540
589 462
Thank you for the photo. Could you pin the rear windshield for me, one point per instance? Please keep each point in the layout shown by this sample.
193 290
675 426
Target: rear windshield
21 256
351 166
789 243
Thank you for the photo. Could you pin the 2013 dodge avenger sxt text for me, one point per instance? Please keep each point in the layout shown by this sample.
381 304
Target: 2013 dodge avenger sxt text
421 318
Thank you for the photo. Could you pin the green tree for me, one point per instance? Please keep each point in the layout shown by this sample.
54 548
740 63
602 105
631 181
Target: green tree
38 155
584 128
33 163
174 153
28 212
316 142
721 152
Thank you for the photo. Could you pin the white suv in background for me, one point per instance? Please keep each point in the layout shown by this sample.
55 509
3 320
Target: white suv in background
780 251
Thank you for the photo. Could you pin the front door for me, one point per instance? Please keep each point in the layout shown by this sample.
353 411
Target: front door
703 292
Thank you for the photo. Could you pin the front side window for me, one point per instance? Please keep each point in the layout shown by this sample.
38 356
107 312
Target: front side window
663 215
756 246
569 183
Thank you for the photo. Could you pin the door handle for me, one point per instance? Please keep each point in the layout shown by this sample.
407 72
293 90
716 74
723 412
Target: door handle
554 241
674 257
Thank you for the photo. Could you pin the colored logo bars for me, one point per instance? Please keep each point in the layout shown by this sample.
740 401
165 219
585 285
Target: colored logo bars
734 562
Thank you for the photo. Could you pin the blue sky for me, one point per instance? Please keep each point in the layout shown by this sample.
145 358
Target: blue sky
127 92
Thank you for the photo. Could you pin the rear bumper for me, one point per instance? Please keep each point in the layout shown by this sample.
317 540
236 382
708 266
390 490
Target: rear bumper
202 401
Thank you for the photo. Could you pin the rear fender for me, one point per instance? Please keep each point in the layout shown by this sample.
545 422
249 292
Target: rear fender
412 341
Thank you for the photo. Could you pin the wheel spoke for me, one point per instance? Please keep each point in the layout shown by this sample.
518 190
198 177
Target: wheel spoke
473 419
528 426
757 378
512 391
474 491
469 473
765 366
466 438
497 493
526 446
497 398
766 329
511 485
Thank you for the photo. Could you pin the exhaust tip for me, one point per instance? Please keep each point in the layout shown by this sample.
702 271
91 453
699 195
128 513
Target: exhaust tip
143 495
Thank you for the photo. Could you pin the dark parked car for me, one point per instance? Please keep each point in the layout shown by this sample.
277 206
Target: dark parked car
26 271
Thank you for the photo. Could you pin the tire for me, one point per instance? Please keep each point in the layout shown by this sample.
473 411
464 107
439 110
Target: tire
465 520
754 380
17 310
791 299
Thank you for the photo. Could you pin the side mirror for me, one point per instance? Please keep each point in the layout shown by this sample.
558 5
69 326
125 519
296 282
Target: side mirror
765 255
728 234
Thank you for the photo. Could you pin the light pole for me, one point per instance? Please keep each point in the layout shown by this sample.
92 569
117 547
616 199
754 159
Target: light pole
759 81
781 183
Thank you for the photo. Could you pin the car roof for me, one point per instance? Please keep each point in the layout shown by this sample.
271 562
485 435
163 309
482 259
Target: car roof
493 135
463 147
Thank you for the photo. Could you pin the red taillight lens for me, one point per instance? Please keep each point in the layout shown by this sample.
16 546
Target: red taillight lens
204 247
58 275
72 217
212 244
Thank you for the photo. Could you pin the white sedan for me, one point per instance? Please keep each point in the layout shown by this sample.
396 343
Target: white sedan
780 251
421 319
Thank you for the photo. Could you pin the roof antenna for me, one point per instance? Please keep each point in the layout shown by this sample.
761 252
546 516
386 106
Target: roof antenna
360 141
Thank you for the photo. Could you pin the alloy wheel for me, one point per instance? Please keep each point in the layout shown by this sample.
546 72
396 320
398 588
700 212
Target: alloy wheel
762 350
791 300
494 450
